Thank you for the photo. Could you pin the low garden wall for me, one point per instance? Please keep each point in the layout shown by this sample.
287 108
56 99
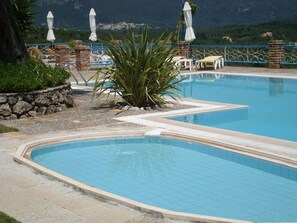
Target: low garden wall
30 104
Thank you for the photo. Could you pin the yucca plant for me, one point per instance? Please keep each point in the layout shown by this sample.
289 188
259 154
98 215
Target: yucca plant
142 74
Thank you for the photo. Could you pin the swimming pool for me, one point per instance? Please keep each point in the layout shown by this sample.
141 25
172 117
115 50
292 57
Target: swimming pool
271 102
180 176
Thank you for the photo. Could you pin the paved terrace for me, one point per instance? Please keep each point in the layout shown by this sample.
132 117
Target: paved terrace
31 197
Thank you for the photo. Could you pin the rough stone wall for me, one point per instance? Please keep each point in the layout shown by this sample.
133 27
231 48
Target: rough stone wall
30 104
275 54
82 56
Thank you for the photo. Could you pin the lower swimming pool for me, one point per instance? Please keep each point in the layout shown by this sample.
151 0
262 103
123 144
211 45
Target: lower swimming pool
179 175
271 102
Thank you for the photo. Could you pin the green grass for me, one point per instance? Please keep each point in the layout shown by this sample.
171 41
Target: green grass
4 218
3 129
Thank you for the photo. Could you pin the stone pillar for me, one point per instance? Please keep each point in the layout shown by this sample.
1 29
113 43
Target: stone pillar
275 54
184 48
82 56
63 55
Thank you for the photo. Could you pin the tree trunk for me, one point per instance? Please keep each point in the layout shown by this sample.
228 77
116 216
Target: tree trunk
12 46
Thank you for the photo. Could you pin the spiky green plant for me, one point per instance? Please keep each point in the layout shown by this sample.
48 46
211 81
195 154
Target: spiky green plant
143 73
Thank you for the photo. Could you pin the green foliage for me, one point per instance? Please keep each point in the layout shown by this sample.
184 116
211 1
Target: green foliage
29 75
142 74
4 129
240 34
6 219
248 34
23 14
72 43
38 35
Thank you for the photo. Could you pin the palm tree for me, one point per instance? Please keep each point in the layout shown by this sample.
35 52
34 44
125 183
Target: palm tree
16 16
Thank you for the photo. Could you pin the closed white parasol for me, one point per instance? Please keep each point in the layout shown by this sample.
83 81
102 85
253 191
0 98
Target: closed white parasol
93 36
190 35
50 21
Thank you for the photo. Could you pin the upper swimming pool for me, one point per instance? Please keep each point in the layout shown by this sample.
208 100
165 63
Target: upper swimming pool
272 107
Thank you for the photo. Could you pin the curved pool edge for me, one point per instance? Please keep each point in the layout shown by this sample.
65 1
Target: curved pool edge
23 156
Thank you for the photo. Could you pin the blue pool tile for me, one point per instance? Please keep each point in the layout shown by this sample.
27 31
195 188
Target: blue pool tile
192 177
267 114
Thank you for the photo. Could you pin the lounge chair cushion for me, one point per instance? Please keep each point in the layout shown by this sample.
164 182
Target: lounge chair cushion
216 61
36 53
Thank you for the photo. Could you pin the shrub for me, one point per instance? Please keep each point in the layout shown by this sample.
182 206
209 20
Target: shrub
143 73
29 75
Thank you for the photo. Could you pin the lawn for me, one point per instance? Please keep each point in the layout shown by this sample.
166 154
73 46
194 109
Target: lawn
4 128
7 219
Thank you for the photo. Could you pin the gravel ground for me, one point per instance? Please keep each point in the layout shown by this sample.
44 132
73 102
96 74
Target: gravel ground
85 113
51 200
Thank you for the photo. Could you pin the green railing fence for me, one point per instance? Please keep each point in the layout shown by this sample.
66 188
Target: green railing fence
233 54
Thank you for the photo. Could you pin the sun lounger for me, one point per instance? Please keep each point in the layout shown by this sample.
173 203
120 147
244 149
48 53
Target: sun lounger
98 61
51 52
52 55
215 61
99 57
36 53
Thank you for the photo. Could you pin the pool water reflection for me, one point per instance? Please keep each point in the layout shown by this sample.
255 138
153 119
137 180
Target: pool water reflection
271 102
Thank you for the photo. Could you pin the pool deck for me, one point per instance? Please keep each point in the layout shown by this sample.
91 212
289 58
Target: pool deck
32 197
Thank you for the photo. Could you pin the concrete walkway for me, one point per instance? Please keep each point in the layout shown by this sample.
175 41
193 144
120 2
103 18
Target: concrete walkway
31 197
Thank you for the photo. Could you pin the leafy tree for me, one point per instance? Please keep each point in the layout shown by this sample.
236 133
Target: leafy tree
15 18
23 14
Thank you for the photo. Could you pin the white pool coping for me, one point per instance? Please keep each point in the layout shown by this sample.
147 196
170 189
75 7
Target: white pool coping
282 150
267 75
23 156
270 149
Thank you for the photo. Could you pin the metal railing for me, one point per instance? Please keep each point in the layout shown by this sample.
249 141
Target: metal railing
233 54
245 54
290 55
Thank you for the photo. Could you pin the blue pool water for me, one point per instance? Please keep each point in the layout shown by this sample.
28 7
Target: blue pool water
272 107
179 176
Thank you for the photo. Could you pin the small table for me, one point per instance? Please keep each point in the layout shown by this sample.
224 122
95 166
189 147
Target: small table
184 64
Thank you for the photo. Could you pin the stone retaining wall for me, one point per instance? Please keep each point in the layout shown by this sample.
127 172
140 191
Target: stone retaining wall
30 104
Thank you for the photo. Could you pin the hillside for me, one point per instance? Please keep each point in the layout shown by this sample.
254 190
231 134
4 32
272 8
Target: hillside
240 34
74 13
249 34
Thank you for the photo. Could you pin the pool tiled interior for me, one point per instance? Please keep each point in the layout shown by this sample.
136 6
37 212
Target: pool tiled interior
179 176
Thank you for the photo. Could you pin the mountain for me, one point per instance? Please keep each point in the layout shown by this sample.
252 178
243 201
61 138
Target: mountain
210 13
